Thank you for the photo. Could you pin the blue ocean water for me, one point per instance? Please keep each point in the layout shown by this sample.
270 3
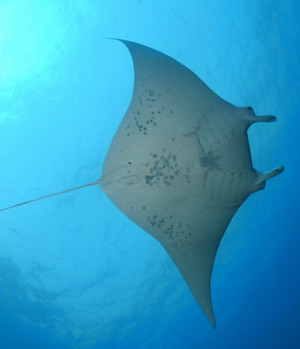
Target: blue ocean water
74 271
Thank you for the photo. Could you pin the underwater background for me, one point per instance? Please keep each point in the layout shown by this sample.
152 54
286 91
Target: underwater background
74 271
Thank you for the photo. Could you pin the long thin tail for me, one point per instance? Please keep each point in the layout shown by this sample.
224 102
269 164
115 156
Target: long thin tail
48 196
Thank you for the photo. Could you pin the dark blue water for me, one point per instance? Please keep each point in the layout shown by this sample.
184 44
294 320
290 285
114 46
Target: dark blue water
74 271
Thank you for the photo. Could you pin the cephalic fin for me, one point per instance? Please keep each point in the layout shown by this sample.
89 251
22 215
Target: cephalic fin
263 177
264 118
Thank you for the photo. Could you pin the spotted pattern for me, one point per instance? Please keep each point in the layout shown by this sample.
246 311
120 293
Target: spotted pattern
179 233
164 168
147 112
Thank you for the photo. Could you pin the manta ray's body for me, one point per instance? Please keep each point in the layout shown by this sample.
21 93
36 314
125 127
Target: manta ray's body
179 165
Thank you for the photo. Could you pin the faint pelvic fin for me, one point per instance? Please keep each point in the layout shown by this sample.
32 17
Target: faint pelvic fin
49 195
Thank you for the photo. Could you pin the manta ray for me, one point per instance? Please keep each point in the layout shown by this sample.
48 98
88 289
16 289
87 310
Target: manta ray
179 165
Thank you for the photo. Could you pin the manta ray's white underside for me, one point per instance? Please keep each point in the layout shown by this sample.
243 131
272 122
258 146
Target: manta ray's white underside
179 165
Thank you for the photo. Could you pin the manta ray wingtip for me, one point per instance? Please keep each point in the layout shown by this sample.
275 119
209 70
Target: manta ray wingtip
125 42
209 314
213 323
112 38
